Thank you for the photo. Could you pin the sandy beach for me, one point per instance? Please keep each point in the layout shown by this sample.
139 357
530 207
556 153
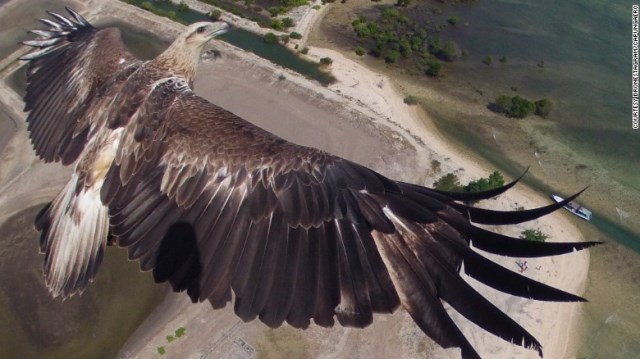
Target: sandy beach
361 117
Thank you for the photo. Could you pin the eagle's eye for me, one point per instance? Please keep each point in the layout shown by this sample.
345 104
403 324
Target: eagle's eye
200 30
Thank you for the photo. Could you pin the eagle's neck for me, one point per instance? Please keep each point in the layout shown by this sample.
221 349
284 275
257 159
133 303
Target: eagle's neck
179 59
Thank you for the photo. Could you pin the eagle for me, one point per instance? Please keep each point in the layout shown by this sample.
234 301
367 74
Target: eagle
228 212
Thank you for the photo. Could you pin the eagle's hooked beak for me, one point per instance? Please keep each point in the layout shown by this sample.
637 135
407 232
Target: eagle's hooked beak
217 28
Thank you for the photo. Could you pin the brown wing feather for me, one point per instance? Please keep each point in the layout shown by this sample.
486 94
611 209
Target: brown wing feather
297 234
73 62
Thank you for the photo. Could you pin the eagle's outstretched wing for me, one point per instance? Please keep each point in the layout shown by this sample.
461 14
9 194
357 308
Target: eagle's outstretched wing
216 206
66 77
72 79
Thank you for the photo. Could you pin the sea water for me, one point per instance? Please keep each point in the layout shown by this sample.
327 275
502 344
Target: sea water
578 54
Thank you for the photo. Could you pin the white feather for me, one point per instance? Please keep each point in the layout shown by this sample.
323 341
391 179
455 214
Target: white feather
76 239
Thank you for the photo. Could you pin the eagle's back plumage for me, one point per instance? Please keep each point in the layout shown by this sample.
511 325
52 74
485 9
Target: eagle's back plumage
222 209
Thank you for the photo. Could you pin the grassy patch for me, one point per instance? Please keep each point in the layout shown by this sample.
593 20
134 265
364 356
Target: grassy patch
283 342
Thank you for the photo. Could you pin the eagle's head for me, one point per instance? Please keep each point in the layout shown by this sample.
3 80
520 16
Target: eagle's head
181 58
200 33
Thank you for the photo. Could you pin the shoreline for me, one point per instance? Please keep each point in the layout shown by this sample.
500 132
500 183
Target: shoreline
384 117
417 122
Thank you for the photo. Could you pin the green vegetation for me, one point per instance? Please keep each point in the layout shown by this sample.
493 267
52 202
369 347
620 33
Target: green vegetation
271 38
182 7
277 10
147 5
433 68
294 3
304 50
403 3
520 107
397 39
288 22
326 61
316 7
450 182
448 51
295 35
285 6
436 166
360 50
180 332
495 180
535 235
453 20
276 24
411 100
215 14
487 60
283 342
543 107
247 11
392 56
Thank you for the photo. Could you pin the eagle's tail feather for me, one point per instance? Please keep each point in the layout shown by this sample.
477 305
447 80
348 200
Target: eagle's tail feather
74 229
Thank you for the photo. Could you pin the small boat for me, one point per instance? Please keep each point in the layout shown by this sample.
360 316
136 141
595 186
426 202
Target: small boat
574 208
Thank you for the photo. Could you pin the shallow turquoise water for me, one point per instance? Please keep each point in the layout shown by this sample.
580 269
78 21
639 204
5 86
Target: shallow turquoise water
578 54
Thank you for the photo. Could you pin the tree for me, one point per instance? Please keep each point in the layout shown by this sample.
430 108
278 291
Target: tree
360 50
392 56
295 35
453 20
543 107
535 235
326 61
271 38
495 180
215 14
448 51
276 24
503 104
521 107
411 100
183 7
362 30
448 182
405 48
433 68
288 22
